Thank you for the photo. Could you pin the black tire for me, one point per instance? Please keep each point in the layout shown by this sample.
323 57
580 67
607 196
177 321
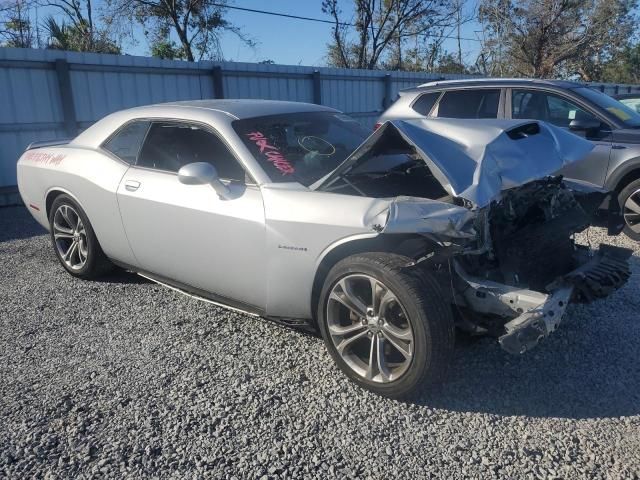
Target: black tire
425 309
625 193
96 262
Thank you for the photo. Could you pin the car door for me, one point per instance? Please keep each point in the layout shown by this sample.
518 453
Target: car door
560 110
187 233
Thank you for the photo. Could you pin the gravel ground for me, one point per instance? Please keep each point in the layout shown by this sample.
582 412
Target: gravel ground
124 378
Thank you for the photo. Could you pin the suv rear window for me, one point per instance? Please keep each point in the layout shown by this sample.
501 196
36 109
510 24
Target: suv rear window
481 103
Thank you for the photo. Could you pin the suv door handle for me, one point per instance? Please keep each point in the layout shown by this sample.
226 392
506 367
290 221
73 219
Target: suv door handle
131 185
618 147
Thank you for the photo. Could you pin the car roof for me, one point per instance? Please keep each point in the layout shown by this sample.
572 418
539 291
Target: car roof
501 82
248 108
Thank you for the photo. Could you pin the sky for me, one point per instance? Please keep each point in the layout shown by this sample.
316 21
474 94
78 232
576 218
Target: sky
296 42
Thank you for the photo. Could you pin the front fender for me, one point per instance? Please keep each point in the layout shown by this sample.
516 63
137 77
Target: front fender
625 169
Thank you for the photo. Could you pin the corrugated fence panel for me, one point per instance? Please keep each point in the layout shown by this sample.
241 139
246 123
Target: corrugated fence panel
615 89
272 82
32 105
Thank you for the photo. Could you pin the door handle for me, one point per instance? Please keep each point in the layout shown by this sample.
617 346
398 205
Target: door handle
618 147
131 185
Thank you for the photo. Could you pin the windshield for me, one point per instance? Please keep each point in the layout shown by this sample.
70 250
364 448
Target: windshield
629 117
300 147
633 103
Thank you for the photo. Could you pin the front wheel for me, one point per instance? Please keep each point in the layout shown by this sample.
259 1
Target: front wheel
387 327
629 200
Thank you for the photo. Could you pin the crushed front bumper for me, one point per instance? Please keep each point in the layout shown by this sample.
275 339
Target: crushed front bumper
604 273
538 314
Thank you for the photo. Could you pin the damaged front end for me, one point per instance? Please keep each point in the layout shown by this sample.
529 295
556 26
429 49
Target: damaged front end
532 268
500 224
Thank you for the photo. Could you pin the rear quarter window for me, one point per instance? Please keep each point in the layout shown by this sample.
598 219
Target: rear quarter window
126 142
425 103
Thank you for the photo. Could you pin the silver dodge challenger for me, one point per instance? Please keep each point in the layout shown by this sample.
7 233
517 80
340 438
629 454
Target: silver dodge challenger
383 243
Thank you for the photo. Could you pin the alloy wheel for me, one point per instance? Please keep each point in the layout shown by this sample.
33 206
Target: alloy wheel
632 211
369 328
70 237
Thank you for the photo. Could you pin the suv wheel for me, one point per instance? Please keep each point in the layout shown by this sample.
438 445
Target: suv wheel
74 241
629 200
388 328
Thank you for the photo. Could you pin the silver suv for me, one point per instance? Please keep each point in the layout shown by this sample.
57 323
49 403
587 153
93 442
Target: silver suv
613 127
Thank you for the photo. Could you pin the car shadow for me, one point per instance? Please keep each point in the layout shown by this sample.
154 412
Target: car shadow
587 369
120 276
17 224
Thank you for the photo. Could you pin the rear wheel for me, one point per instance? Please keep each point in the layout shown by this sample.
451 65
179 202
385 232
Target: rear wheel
629 200
74 240
388 329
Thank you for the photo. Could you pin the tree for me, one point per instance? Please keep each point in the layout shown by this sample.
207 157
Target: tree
76 28
15 26
493 59
197 25
79 38
546 38
168 49
450 63
624 67
615 23
382 29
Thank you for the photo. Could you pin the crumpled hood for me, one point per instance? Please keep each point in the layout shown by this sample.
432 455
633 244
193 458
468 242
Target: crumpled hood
477 159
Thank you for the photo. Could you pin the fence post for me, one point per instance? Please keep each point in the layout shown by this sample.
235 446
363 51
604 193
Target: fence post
386 101
617 89
218 85
66 97
317 87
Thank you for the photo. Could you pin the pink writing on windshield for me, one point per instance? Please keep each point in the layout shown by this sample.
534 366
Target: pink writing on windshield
271 152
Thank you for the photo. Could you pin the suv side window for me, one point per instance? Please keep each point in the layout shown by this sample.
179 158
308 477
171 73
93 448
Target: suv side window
425 103
549 107
126 143
171 145
480 103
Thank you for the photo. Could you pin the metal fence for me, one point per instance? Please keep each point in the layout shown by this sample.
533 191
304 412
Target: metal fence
615 88
48 94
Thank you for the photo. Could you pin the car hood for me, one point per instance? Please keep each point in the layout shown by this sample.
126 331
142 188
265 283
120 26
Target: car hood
475 159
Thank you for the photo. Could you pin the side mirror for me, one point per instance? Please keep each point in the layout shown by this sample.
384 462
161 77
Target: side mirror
584 125
202 173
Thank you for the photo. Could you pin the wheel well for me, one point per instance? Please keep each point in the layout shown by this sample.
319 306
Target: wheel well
410 245
627 179
51 196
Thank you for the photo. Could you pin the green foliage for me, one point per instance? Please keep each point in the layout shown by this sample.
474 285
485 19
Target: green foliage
550 38
167 49
624 67
196 24
448 63
78 37
16 29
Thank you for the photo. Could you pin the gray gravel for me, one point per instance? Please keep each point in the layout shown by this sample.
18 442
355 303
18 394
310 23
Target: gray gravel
123 378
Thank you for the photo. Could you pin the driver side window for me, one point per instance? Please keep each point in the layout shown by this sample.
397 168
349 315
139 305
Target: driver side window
171 145
538 105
